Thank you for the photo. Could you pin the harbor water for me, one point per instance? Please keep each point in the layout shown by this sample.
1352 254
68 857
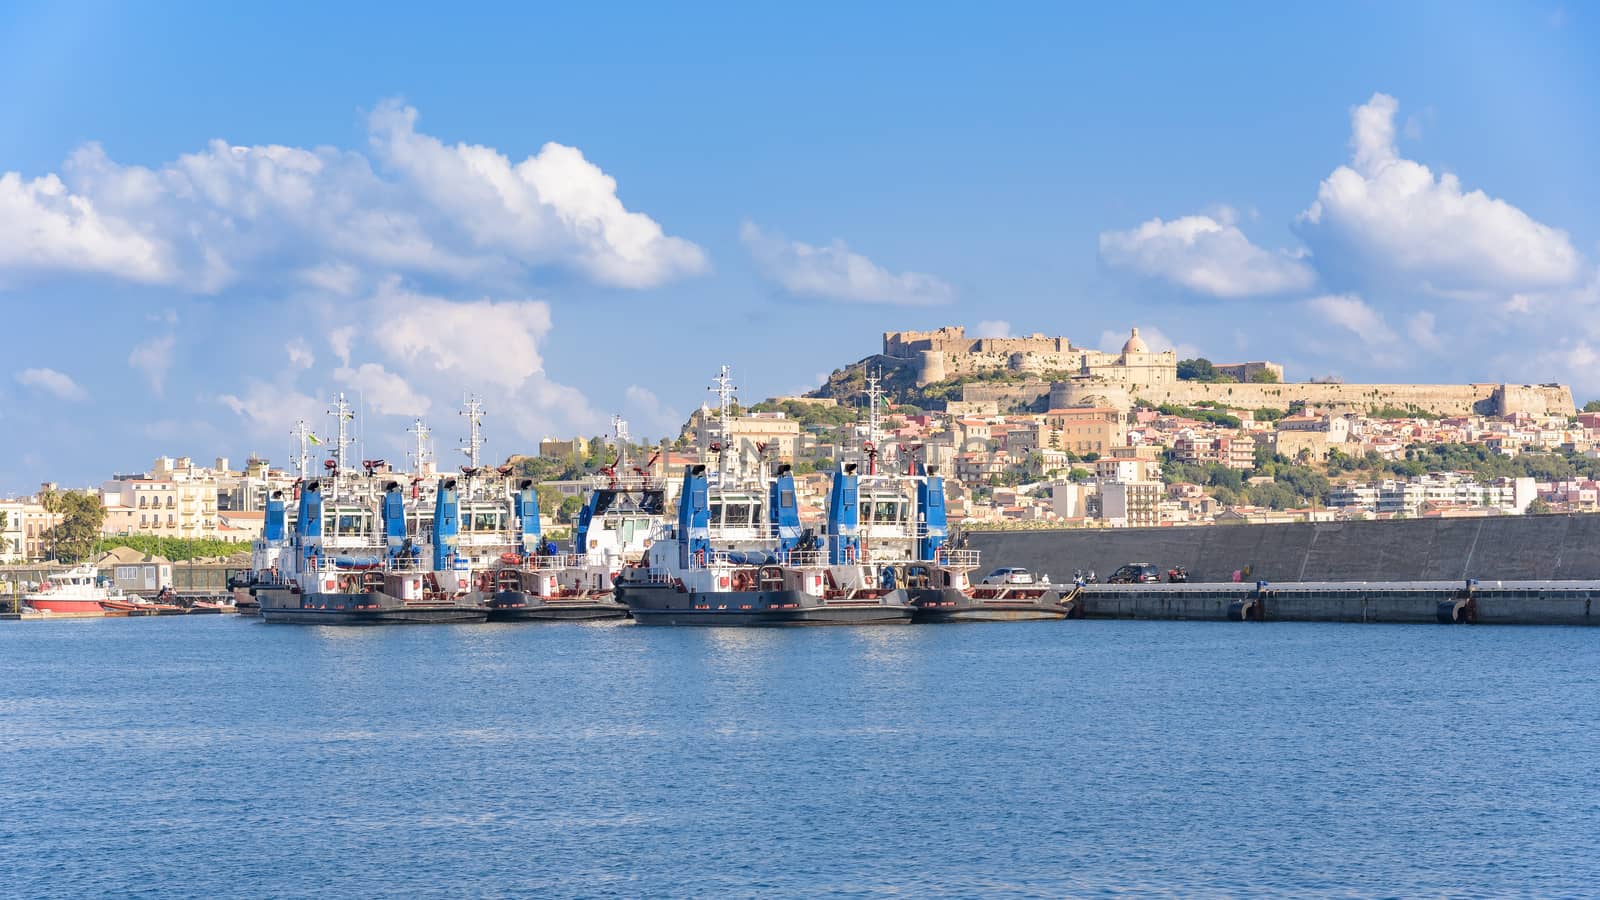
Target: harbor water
220 757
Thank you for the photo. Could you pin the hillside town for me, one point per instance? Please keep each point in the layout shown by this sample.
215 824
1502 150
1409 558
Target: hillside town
1030 433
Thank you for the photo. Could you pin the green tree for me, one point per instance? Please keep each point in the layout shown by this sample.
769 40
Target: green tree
1592 406
569 509
73 539
1198 369
1540 507
1265 376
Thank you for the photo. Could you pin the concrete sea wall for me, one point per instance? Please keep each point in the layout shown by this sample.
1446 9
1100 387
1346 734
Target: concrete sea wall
1512 548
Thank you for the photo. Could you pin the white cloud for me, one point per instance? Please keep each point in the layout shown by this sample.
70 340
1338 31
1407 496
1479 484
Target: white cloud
992 328
1204 254
339 340
646 408
835 272
224 214
300 355
52 382
1351 313
272 407
1386 218
1421 328
550 207
45 227
382 392
481 342
410 353
154 359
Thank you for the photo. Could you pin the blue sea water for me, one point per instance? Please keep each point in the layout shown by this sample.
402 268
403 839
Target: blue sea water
212 756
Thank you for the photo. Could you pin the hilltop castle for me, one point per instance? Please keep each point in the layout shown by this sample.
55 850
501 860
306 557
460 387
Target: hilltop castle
948 353
1077 376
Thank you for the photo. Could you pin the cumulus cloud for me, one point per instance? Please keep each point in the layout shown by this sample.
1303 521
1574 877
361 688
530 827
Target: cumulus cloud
300 355
481 342
52 382
154 359
1384 218
992 328
646 408
1351 313
271 407
224 214
381 391
410 353
45 227
835 272
1204 254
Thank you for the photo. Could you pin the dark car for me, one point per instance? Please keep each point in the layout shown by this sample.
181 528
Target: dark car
1135 573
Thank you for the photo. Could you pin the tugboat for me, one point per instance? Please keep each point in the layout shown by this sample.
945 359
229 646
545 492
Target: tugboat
614 526
737 556
353 574
875 541
939 581
623 508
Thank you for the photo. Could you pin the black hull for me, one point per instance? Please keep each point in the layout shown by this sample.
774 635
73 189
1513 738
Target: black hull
938 605
515 606
282 607
665 605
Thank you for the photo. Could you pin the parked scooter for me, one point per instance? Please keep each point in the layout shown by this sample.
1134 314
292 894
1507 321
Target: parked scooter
1177 575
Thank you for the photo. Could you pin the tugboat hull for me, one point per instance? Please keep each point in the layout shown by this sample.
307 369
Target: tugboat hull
284 607
666 605
950 605
518 606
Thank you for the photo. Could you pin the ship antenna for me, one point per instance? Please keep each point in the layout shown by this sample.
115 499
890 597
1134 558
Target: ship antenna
473 410
342 416
724 389
875 393
420 457
302 461
619 437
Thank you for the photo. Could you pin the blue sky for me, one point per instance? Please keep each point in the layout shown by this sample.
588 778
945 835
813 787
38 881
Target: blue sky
210 219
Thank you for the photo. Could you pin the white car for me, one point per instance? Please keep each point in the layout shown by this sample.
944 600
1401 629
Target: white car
1009 576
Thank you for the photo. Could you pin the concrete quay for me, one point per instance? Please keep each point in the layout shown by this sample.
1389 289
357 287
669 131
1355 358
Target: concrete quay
1443 602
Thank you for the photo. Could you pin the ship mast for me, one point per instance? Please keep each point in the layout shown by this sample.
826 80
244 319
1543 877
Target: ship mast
302 458
619 438
875 392
343 439
420 457
723 387
472 408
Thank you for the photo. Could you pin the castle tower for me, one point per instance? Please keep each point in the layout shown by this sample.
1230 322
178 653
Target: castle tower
930 367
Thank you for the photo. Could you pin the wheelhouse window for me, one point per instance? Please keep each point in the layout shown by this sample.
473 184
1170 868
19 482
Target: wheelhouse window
349 523
736 515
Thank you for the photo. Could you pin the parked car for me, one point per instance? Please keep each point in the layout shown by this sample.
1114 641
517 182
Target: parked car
1008 576
1135 573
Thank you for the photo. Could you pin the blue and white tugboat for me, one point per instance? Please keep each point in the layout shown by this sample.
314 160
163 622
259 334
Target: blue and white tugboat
623 508
349 560
736 556
887 530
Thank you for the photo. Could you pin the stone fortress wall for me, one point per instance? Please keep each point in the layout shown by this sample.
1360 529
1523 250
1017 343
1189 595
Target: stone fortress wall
948 353
1439 399
1097 378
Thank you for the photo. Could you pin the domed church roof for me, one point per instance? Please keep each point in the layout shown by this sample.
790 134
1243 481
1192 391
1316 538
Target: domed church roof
1135 344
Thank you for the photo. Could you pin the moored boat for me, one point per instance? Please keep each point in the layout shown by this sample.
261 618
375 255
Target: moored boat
737 556
349 560
74 594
